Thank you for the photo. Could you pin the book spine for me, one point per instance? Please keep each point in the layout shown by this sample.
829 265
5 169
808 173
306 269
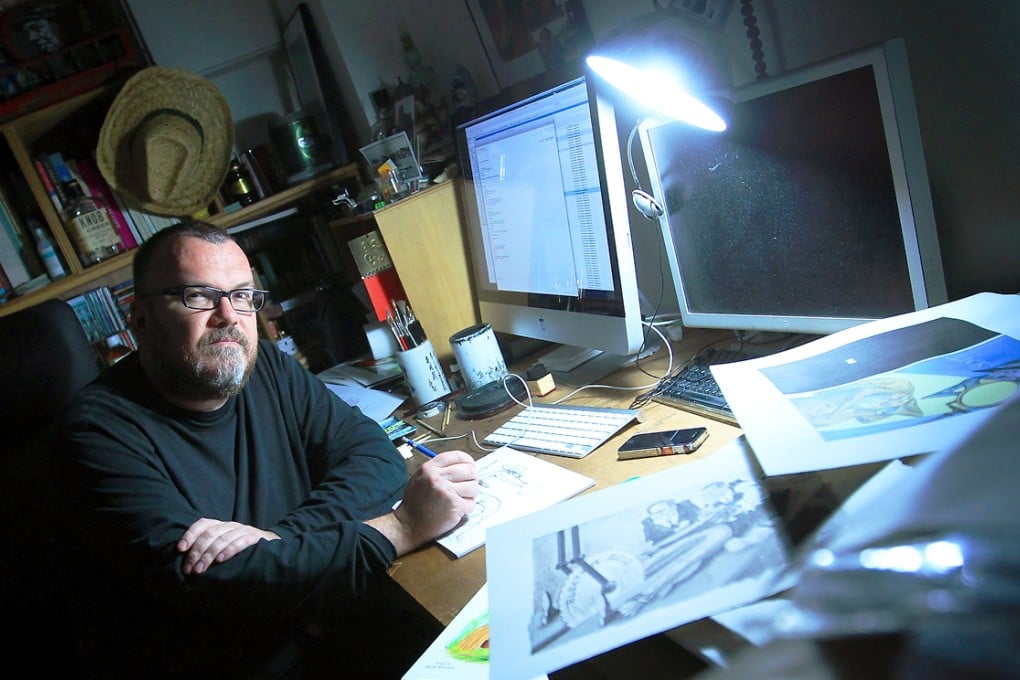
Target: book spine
96 185
82 309
128 217
23 237
10 258
46 177
5 286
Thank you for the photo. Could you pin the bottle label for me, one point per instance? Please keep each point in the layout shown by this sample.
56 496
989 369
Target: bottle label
93 231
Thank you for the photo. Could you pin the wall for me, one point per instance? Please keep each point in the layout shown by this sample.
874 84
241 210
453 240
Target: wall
233 43
965 64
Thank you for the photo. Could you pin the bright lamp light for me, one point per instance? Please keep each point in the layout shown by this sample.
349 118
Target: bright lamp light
657 91
667 63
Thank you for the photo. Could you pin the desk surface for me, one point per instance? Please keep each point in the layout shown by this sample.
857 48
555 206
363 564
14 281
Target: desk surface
444 584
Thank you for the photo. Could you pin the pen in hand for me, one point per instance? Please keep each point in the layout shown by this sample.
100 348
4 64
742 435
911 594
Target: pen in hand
420 447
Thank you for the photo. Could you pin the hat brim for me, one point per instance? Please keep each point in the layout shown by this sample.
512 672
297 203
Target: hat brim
163 88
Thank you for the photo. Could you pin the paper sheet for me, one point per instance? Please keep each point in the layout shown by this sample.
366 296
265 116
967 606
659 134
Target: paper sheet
635 559
512 484
375 404
461 652
910 384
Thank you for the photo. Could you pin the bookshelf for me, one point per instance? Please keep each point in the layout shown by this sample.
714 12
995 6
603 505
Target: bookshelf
76 122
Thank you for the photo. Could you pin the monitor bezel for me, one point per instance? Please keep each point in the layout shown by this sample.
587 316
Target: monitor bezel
910 179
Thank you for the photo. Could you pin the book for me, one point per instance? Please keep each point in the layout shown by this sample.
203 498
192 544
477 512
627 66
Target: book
96 186
129 217
83 310
49 180
11 261
512 484
12 244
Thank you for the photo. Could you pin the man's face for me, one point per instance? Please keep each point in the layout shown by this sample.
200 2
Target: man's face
197 358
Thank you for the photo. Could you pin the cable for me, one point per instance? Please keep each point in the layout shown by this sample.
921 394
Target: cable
642 200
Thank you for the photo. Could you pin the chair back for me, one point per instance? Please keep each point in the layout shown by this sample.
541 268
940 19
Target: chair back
45 359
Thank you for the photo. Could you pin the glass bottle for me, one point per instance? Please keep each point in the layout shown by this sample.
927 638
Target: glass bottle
238 185
90 225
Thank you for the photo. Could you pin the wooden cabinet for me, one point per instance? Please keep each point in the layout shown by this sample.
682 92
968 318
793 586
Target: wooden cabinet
72 126
425 240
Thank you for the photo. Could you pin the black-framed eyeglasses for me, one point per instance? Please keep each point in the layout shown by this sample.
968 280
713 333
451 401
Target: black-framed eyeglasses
204 298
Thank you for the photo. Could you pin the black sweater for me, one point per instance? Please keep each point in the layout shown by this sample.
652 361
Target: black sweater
284 455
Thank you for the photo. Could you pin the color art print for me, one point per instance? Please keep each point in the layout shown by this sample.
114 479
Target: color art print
910 384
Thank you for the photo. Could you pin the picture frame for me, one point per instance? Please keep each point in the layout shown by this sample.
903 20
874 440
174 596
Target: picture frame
509 44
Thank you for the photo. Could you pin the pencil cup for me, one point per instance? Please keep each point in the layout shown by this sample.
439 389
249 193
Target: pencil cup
478 355
423 373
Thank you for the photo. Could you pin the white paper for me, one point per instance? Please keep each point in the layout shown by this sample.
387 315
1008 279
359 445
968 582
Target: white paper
910 384
599 571
458 654
367 372
375 404
511 484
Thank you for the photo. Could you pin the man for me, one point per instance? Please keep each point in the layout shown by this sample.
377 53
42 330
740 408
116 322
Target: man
232 517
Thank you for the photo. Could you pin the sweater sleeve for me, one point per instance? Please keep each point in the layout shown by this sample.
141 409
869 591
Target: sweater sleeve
356 471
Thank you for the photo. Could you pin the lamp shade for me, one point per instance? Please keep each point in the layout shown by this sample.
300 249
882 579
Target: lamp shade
666 62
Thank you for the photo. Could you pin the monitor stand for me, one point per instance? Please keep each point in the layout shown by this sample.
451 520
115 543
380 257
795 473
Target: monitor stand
596 368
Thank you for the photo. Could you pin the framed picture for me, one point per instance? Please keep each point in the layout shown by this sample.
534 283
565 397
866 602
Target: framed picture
508 37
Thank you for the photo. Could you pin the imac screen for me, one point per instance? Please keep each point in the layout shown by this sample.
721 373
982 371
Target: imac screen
546 218
812 212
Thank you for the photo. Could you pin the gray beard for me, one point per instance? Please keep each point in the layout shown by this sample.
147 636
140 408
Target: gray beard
220 373
210 372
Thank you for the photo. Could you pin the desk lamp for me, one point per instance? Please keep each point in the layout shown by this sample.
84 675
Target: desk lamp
665 61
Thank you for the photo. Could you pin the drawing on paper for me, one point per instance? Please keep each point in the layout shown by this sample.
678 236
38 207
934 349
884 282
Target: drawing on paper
923 373
611 569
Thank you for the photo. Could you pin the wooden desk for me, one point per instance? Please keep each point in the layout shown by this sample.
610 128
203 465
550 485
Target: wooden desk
444 584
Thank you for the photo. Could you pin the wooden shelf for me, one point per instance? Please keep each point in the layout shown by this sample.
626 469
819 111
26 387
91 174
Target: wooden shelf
118 268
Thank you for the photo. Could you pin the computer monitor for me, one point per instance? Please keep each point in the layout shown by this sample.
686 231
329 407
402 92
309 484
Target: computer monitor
547 221
812 212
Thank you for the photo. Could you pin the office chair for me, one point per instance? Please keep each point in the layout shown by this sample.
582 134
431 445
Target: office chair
45 358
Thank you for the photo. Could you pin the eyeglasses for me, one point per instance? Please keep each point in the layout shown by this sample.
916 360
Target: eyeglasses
246 300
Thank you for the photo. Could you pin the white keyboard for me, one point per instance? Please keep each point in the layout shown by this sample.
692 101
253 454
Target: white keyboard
567 357
572 431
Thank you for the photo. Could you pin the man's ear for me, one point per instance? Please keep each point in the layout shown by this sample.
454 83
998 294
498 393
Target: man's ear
136 317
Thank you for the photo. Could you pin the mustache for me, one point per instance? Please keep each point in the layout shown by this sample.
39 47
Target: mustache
219 335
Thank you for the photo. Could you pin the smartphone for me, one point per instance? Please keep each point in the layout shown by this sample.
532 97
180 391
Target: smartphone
665 443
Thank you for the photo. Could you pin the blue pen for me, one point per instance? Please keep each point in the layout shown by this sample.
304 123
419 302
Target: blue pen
420 447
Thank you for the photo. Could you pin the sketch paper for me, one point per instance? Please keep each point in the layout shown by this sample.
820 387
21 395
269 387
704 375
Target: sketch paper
461 652
511 484
632 560
910 384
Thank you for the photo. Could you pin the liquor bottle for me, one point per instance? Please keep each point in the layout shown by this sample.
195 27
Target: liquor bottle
90 225
47 253
238 185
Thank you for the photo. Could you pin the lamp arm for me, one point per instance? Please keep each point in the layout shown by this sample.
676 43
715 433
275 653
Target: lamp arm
643 200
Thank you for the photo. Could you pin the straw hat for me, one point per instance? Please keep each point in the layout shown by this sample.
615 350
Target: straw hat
167 140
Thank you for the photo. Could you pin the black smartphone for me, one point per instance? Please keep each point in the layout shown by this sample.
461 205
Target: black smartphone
665 443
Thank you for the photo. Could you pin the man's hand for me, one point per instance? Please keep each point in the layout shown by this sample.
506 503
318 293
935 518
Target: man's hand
438 496
209 541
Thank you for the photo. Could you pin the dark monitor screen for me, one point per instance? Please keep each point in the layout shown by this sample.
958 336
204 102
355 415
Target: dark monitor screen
812 212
